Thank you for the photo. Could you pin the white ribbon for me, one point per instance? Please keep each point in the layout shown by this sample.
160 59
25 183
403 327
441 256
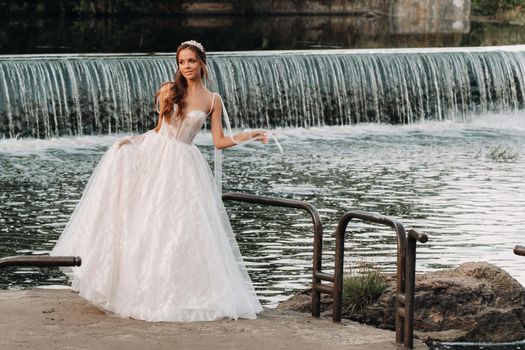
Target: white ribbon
218 152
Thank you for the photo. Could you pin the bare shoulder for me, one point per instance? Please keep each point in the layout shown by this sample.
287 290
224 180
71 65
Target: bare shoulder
212 96
216 99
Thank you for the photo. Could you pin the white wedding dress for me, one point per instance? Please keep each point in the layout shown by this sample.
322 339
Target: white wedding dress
154 237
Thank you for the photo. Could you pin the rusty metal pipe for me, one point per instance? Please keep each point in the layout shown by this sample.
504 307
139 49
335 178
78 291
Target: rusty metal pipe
401 312
327 289
324 276
318 234
339 259
30 260
420 237
413 238
519 250
405 276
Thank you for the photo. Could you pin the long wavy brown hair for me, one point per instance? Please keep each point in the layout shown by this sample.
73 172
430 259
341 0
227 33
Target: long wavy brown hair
178 88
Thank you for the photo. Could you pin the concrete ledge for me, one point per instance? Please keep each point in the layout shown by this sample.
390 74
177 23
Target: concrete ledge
60 319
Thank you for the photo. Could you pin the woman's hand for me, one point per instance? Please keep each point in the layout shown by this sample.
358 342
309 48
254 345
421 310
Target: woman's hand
259 135
123 142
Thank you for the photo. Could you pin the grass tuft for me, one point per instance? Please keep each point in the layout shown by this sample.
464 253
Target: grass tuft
361 290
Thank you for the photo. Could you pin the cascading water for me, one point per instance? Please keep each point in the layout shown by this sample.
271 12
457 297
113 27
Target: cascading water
457 175
44 96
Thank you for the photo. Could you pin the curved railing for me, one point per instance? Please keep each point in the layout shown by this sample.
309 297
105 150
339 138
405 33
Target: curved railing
406 261
405 276
318 235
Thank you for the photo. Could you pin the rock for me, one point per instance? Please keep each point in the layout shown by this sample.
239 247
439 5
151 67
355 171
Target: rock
479 299
302 302
474 302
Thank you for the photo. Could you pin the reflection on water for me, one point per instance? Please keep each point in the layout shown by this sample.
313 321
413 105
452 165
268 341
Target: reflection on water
435 177
221 33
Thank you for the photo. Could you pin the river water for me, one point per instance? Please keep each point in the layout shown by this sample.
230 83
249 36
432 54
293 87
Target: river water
461 183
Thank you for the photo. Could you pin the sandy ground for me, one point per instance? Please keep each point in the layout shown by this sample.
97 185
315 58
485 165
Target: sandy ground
60 319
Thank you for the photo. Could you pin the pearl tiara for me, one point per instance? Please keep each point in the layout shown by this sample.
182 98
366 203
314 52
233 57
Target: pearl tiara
194 43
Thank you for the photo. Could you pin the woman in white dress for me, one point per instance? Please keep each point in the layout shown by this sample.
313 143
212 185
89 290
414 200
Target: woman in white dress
151 229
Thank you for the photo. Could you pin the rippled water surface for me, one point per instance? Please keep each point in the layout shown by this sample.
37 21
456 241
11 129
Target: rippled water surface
461 183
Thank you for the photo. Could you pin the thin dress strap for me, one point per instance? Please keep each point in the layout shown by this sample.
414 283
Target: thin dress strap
212 101
157 105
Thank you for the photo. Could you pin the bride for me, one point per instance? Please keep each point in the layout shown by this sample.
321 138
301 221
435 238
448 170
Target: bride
151 228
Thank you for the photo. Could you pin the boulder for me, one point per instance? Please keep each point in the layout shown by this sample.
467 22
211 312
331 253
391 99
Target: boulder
474 302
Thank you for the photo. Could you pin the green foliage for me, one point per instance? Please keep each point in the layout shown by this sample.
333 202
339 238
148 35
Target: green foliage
82 7
492 7
129 6
362 290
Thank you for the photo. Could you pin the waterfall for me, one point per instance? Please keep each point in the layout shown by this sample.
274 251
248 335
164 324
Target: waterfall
53 95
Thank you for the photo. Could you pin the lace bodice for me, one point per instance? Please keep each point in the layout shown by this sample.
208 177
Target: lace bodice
183 129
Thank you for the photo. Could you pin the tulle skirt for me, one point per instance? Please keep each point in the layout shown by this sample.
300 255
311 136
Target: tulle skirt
155 239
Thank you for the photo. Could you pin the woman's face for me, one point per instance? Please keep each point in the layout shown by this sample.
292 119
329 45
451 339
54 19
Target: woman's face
189 64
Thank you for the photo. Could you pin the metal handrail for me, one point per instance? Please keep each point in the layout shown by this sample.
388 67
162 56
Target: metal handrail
30 260
339 253
410 286
405 276
519 250
317 274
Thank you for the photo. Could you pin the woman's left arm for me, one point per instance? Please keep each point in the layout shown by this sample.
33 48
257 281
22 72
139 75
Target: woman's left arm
220 141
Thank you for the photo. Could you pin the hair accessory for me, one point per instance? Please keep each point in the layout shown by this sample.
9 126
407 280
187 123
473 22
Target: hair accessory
194 43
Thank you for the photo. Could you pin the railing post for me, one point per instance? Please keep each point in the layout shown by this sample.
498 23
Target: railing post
339 266
317 267
400 279
412 239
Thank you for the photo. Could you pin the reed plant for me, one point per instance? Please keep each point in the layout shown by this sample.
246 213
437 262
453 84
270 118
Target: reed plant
502 154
